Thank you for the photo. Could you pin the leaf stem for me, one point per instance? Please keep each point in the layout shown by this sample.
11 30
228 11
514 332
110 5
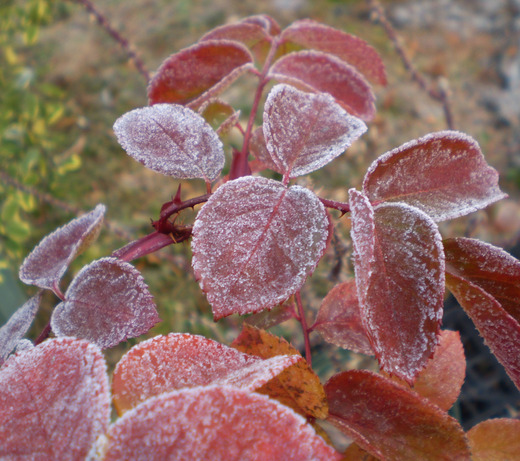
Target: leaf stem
340 206
305 330
44 334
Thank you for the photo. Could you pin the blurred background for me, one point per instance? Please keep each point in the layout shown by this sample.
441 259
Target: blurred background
64 81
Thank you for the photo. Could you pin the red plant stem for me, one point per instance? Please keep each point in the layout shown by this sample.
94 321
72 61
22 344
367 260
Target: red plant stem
44 334
239 166
340 206
170 208
123 42
305 330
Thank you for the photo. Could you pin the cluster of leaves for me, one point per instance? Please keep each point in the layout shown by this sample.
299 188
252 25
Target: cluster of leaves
255 241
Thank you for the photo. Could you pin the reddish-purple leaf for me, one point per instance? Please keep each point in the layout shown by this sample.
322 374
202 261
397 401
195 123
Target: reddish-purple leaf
255 37
339 319
106 303
399 263
441 379
323 73
54 401
172 140
199 72
495 440
351 49
167 363
259 150
489 267
264 21
17 326
304 131
500 330
391 422
443 174
255 242
47 263
217 423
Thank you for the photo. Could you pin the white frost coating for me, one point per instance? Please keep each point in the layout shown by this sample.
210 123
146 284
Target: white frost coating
255 242
47 263
401 298
304 132
172 140
17 326
176 361
54 401
216 423
443 174
107 302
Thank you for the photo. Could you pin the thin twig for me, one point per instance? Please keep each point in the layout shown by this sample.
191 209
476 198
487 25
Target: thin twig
305 329
123 42
440 93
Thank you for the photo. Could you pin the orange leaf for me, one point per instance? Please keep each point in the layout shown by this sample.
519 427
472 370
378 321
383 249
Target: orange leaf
495 440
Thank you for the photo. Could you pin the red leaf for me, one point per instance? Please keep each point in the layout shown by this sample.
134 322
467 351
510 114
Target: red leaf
199 72
399 264
47 263
304 132
323 73
171 140
255 242
17 326
489 267
442 378
259 150
54 401
500 330
351 49
264 21
255 37
443 174
391 422
217 423
107 302
339 319
495 440
176 361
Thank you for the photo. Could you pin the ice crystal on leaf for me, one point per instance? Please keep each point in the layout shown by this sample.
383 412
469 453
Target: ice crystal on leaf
443 174
304 132
218 423
172 140
17 326
54 401
176 361
255 242
47 263
106 303
399 267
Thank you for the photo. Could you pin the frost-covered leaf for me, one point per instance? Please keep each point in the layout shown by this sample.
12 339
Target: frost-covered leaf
298 387
489 267
443 174
339 319
351 49
255 242
54 401
47 263
172 140
500 330
495 440
441 379
167 363
258 148
399 264
391 422
304 131
106 303
323 73
264 21
255 37
199 72
16 327
214 423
